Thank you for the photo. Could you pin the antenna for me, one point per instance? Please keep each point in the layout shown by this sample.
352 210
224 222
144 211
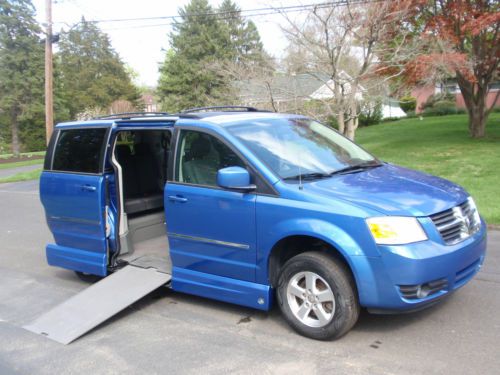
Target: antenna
301 187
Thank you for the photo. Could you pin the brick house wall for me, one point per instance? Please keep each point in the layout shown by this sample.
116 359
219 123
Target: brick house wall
422 93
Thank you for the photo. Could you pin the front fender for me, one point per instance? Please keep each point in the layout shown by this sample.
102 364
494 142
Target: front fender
339 239
323 230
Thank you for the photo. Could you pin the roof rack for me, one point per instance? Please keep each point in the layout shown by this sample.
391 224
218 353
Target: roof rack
127 115
220 108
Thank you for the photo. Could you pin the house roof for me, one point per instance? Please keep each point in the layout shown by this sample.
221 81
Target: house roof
290 87
283 87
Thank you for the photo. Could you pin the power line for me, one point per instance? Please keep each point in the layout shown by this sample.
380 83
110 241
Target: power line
213 14
219 13
230 14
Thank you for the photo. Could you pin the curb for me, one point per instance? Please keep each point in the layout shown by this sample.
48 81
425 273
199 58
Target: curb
493 227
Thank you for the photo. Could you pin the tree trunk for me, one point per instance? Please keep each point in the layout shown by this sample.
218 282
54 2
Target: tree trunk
341 122
475 101
352 123
477 121
350 130
14 126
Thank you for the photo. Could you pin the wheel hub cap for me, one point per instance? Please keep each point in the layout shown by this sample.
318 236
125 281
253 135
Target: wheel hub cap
311 299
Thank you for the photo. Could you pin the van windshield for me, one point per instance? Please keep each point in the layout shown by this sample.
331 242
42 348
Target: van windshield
294 147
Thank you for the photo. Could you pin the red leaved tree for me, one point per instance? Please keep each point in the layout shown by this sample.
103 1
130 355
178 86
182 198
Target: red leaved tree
460 38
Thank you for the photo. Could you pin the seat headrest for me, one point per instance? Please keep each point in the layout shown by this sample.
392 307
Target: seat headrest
200 147
122 152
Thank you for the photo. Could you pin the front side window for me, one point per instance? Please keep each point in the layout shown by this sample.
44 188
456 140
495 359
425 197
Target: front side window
299 146
200 156
79 150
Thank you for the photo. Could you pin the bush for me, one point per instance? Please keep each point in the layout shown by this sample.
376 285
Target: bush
370 114
332 122
391 119
433 99
441 108
408 103
411 114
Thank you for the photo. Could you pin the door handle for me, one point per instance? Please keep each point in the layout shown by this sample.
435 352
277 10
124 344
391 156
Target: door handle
88 188
177 198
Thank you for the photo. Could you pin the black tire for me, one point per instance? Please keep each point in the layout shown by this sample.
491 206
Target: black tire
87 277
346 308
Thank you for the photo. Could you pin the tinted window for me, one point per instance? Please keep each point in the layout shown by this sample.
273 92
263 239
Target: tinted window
79 150
200 156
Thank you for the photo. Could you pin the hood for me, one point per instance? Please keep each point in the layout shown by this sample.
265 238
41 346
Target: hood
392 190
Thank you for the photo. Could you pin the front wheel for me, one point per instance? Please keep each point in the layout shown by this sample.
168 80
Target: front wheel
317 296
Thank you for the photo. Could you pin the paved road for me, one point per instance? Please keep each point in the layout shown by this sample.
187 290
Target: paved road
27 168
174 333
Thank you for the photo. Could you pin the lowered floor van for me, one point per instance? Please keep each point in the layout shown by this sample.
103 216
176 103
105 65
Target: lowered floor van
255 208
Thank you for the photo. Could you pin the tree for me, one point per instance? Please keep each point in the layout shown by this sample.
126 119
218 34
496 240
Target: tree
342 44
92 73
186 79
207 46
246 47
461 39
21 68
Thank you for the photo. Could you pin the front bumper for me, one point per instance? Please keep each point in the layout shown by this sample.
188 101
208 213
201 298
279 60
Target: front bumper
391 281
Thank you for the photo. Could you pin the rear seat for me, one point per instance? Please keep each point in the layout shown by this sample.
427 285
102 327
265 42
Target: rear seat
141 184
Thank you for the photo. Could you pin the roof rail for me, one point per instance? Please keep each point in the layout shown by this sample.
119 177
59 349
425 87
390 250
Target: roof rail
240 108
127 115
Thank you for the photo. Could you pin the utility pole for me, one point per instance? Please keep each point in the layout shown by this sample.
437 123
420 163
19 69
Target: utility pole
49 101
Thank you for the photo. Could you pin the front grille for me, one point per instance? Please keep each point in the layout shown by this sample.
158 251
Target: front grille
422 290
457 223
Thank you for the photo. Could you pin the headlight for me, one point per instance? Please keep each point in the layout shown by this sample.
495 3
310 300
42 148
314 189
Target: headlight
395 230
475 213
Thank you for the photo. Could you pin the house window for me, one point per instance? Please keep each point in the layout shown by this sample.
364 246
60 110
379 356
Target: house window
494 86
450 88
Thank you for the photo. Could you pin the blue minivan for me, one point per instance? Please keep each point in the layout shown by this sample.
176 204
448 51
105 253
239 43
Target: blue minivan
248 207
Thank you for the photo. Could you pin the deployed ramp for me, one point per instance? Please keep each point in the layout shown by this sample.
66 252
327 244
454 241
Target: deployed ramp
99 302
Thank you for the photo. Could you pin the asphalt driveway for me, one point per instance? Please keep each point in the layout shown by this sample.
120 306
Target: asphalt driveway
170 333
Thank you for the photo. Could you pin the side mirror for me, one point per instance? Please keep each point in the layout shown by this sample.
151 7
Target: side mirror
235 178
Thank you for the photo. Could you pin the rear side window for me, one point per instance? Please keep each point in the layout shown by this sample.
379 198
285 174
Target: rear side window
79 150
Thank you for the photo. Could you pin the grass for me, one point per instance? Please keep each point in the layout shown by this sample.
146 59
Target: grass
27 154
441 146
23 176
20 163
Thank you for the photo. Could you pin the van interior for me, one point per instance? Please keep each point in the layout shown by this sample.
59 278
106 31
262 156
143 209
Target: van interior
140 159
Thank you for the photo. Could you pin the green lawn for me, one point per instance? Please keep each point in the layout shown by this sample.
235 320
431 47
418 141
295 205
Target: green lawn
23 176
441 146
28 154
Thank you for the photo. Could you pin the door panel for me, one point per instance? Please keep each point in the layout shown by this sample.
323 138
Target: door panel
75 208
211 230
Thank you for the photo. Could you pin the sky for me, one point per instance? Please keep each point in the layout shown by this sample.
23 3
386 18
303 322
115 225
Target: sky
142 48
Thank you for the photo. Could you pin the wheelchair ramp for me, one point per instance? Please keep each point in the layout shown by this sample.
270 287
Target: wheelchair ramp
99 302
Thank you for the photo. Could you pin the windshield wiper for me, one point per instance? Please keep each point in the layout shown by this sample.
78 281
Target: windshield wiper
319 175
356 168
308 176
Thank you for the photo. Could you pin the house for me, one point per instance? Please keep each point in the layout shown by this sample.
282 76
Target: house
422 93
283 91
287 92
149 103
